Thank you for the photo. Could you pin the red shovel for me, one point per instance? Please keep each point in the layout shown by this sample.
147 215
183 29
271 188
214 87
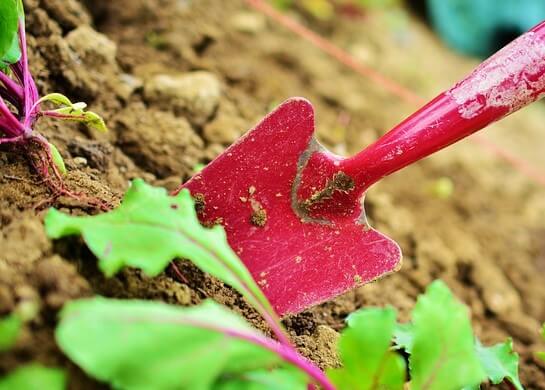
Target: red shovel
293 211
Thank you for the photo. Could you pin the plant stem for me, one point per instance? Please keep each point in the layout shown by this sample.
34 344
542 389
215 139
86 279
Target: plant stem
12 140
274 323
286 352
30 92
13 127
6 95
11 86
289 355
56 115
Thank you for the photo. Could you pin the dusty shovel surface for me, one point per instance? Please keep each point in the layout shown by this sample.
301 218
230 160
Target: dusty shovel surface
252 191
485 240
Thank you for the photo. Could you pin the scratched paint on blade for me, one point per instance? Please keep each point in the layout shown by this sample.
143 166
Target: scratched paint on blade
511 79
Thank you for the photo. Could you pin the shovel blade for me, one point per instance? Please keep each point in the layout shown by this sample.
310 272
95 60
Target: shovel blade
248 190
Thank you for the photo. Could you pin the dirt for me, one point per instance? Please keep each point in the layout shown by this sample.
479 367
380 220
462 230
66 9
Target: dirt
485 240
340 182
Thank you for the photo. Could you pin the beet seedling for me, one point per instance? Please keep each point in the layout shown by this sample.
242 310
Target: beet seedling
134 344
21 105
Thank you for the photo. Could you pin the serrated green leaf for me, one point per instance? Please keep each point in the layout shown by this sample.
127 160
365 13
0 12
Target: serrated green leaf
149 230
34 377
151 345
57 159
500 362
9 23
279 379
10 327
364 347
443 354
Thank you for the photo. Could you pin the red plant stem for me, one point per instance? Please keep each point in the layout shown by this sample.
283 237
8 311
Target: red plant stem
286 352
403 93
7 96
178 273
13 127
290 355
12 140
29 87
274 323
56 115
12 87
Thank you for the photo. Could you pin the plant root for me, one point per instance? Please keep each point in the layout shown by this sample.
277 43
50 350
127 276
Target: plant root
39 154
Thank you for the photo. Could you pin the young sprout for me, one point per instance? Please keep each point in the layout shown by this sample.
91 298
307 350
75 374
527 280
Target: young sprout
21 105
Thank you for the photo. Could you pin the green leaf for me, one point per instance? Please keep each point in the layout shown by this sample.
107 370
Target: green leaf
149 230
20 9
10 328
364 347
13 54
56 98
500 362
34 377
57 159
443 353
150 345
9 23
73 111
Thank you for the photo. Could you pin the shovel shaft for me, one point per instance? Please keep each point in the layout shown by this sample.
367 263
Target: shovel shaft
504 83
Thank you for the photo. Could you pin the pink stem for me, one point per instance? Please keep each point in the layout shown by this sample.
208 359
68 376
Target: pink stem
12 87
13 127
288 354
29 87
12 140
56 115
8 96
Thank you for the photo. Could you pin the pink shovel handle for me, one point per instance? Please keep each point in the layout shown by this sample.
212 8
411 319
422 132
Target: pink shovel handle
504 83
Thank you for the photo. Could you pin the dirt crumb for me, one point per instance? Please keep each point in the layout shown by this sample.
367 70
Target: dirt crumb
259 214
200 203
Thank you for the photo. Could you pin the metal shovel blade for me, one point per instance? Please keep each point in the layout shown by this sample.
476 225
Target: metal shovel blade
249 189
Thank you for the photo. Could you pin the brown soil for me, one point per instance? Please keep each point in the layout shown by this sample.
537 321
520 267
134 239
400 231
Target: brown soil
485 241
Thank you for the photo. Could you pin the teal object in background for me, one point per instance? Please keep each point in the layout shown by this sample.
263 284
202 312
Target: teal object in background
481 27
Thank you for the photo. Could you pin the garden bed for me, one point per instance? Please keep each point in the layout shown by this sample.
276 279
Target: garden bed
178 81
